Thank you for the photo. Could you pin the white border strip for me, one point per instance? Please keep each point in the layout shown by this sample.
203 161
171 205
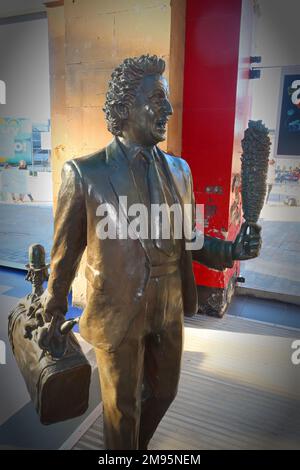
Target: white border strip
265 323
242 291
82 429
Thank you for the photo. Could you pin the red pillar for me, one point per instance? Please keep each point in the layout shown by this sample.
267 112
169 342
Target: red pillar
215 114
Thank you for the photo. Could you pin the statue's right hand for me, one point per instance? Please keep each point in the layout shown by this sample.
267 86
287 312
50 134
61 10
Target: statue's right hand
50 337
47 311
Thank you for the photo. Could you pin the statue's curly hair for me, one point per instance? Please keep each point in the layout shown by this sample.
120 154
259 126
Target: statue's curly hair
123 86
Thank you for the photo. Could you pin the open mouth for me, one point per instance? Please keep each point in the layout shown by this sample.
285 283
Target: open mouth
161 124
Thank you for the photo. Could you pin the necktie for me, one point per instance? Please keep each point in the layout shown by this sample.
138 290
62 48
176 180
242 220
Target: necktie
157 197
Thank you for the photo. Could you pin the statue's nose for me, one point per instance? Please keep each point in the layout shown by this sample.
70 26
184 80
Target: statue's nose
168 108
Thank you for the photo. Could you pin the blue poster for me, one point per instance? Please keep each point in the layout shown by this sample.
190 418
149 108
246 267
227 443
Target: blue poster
15 140
288 143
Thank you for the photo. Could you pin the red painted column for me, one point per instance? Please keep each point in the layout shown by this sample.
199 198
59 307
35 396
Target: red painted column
215 113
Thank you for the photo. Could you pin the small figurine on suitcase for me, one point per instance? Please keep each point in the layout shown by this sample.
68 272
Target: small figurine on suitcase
56 372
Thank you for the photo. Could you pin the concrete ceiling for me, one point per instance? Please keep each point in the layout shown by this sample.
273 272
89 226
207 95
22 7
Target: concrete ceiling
21 7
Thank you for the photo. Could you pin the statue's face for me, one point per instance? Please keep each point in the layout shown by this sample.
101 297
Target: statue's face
148 116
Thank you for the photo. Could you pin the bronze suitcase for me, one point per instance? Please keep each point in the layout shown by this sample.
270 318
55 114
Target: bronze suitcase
58 386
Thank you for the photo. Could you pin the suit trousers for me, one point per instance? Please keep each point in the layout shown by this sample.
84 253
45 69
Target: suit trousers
139 380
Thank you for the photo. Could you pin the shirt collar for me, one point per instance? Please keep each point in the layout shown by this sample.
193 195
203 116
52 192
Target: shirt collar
131 150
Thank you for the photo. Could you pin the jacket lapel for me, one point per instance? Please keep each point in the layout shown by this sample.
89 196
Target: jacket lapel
171 176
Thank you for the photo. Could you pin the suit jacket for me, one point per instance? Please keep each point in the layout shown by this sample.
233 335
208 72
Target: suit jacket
117 270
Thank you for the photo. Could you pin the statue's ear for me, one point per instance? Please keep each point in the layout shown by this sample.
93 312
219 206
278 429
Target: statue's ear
122 111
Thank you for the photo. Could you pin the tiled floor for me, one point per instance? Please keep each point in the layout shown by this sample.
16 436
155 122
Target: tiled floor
22 225
268 311
277 269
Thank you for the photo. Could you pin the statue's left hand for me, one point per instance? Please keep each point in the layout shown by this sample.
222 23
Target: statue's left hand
248 242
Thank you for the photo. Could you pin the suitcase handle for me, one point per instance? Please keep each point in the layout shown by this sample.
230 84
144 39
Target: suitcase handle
67 326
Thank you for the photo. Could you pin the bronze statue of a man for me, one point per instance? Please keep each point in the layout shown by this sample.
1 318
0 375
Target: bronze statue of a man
139 288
